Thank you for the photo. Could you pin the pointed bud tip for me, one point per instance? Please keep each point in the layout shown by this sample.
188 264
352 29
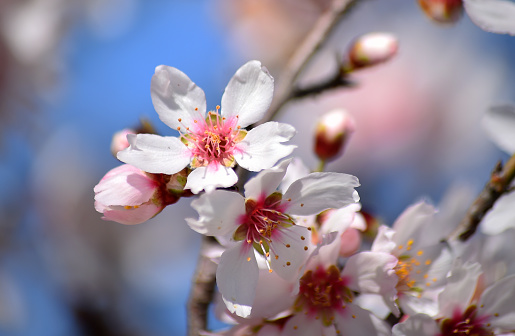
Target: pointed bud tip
332 132
442 11
371 49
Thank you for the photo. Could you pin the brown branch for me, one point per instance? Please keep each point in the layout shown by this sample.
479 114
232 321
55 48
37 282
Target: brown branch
202 289
336 81
311 44
498 184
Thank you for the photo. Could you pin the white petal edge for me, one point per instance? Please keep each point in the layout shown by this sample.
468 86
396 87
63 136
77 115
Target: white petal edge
295 171
210 177
218 212
155 154
412 222
340 219
176 97
371 272
302 325
497 302
495 16
237 277
417 325
266 182
460 287
501 217
248 94
499 123
354 320
320 191
262 146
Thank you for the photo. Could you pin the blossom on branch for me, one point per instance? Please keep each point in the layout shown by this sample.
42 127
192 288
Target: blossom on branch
213 142
129 195
262 226
467 307
324 303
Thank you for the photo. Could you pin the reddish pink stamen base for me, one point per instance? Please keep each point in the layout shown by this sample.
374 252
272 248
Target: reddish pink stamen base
467 323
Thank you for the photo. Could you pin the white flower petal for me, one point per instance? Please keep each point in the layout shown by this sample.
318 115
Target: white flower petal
302 325
156 154
272 296
412 222
218 212
236 278
295 171
266 182
460 288
497 302
176 97
320 191
354 320
417 325
341 219
291 246
384 240
412 305
248 94
499 123
325 253
210 177
495 16
261 148
371 272
501 217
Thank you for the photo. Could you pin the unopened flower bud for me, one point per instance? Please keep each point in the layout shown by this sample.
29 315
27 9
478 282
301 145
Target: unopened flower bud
371 49
119 141
129 195
442 11
332 132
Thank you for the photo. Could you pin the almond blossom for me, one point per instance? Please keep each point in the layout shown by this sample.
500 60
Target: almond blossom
261 225
423 261
324 299
211 143
466 307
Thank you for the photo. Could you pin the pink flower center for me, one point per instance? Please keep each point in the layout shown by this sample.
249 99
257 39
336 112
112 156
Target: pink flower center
322 292
466 324
262 220
213 140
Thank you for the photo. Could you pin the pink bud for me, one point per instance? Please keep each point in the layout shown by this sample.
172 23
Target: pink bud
371 49
119 141
333 130
442 11
128 195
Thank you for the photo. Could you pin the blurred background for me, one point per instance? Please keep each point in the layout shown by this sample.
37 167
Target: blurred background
73 72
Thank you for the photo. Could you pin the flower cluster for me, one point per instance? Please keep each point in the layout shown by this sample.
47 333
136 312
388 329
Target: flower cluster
296 255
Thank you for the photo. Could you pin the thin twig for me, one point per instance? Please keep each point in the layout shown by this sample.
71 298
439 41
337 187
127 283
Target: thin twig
202 289
311 44
498 184
336 81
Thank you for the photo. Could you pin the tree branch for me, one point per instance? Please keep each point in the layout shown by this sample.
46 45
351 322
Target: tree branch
498 184
311 44
202 289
